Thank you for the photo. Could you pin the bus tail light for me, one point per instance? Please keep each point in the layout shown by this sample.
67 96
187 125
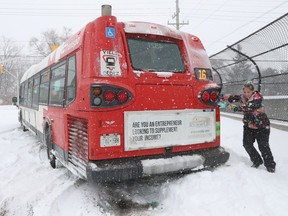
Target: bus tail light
109 96
209 96
97 101
205 96
214 96
97 91
122 96
106 96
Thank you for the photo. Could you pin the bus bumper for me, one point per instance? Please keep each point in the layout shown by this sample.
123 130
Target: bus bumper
133 168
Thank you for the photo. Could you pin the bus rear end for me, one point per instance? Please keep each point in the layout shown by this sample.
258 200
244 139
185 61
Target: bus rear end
152 106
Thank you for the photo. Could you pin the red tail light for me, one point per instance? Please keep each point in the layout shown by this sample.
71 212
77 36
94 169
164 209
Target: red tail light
109 96
209 96
214 96
122 96
205 96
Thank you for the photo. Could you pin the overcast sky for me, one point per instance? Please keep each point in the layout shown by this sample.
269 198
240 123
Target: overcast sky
218 23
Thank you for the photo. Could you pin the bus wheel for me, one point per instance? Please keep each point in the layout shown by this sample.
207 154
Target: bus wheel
24 128
50 150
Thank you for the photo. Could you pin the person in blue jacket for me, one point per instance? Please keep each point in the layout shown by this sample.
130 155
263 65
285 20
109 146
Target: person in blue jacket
256 126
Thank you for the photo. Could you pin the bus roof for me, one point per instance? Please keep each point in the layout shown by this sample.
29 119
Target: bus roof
67 47
76 41
151 28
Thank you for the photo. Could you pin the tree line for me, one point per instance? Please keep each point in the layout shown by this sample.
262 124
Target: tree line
16 61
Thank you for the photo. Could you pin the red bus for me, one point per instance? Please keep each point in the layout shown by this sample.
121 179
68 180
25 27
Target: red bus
125 100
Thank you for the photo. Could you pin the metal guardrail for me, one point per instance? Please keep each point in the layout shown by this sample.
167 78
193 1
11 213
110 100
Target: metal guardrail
261 58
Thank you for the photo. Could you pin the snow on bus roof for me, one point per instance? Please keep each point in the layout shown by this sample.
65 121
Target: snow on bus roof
151 28
35 69
67 47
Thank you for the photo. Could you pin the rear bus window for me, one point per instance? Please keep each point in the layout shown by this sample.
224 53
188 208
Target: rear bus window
158 56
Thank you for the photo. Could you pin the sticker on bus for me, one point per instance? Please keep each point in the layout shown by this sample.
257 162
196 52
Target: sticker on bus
110 63
156 129
110 32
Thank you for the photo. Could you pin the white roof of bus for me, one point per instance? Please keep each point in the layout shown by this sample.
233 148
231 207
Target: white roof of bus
151 28
35 69
70 45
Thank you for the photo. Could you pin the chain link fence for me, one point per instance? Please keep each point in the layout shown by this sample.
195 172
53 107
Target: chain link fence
261 58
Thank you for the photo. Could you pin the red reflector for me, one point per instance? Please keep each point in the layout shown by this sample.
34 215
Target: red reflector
195 38
110 24
205 96
122 96
214 96
109 96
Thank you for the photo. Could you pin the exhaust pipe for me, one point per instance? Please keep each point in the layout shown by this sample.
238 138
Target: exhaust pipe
106 10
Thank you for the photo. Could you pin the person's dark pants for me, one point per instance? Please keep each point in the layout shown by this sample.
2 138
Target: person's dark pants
262 137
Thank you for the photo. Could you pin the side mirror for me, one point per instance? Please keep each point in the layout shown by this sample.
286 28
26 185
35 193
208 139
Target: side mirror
14 101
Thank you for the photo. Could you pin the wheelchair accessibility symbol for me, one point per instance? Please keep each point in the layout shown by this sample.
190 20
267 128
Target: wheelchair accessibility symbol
110 32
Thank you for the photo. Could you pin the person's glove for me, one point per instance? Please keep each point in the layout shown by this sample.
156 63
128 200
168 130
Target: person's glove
231 107
237 98
234 98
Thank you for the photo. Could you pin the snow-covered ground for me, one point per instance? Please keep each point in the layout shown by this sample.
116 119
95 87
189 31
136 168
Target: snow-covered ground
28 186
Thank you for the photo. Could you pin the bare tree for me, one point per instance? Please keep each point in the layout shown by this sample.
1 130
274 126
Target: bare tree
10 57
43 45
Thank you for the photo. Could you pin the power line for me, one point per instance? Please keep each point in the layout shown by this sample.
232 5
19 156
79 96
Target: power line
213 12
247 23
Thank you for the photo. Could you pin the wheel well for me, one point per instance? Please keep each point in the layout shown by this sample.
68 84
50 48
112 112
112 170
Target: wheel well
47 126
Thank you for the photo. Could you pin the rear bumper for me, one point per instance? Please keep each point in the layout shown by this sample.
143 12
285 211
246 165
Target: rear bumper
133 168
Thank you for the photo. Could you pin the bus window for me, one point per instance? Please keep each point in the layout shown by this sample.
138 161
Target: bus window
44 88
57 86
25 88
35 99
160 56
71 80
21 96
29 96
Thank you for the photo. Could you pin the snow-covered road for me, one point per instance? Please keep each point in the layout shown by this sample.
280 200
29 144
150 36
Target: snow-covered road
28 186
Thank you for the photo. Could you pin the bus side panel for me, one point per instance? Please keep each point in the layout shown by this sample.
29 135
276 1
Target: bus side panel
29 118
57 126
39 120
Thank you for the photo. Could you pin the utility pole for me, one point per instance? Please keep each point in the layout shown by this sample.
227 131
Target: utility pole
176 14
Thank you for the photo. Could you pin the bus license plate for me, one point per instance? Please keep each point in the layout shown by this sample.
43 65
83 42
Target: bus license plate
108 140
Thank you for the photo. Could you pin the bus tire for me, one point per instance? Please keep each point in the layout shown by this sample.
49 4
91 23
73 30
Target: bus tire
49 145
24 128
